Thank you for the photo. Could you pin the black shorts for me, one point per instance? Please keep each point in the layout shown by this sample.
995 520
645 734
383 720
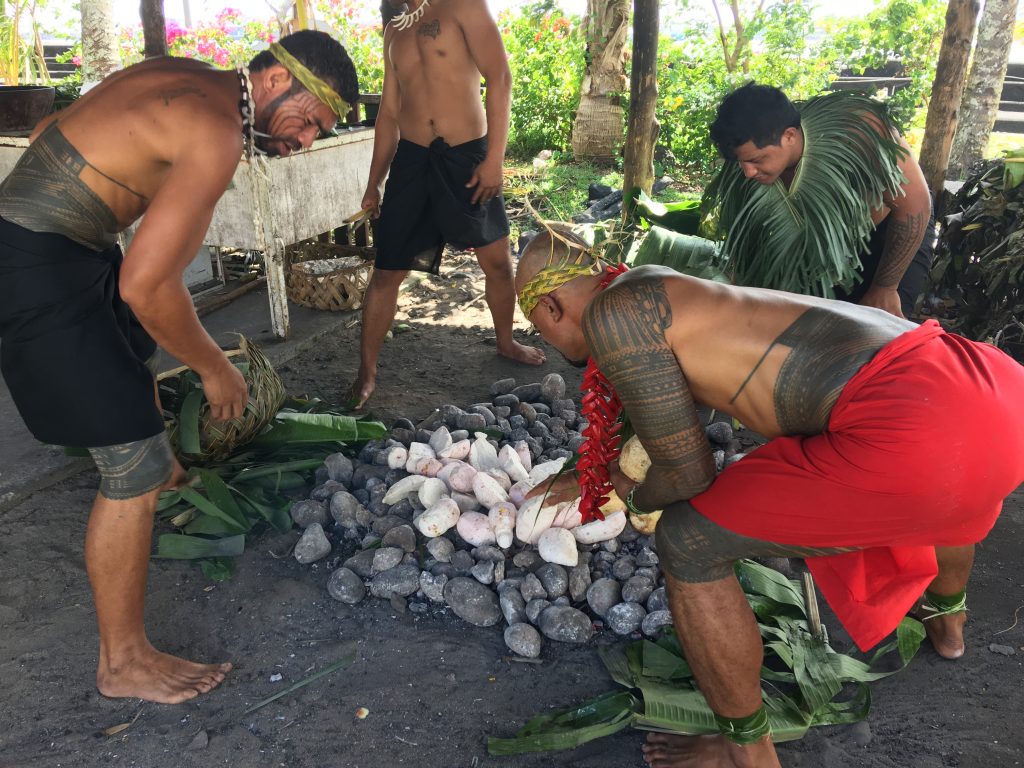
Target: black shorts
914 279
72 354
427 204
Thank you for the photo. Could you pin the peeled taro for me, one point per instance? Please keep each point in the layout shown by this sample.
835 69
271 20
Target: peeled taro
487 490
459 450
476 529
503 520
557 545
532 520
407 486
512 465
438 518
461 479
600 530
482 454
431 491
441 440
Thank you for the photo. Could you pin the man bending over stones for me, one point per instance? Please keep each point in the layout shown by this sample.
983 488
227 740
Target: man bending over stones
445 153
877 469
80 324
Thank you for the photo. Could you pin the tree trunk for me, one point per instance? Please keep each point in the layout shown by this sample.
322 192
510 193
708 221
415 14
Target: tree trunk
99 42
642 133
154 29
947 91
980 103
597 131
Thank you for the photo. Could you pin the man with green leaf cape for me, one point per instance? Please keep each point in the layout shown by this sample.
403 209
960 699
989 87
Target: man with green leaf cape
880 467
822 197
80 322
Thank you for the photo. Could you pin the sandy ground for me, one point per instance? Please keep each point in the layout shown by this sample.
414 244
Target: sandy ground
434 686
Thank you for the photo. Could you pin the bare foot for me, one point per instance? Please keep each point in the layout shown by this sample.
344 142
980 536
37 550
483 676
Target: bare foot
945 632
522 353
159 677
665 750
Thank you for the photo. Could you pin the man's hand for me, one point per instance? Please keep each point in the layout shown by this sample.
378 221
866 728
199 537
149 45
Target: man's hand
883 298
487 178
623 485
226 391
371 200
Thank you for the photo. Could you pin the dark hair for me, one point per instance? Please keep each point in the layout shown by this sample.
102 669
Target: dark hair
324 56
757 113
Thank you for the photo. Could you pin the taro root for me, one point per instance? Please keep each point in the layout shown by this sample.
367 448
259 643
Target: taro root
600 530
634 463
557 545
503 520
438 518
404 488
475 528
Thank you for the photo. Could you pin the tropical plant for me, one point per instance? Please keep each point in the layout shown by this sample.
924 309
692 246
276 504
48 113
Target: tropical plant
21 61
363 42
545 54
226 41
907 32
980 258
802 677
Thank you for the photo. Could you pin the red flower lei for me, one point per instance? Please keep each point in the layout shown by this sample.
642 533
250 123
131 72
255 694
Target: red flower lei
601 408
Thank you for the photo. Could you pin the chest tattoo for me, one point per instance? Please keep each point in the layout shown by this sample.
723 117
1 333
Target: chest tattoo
430 29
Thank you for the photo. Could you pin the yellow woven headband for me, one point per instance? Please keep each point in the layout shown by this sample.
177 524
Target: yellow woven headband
313 84
551 277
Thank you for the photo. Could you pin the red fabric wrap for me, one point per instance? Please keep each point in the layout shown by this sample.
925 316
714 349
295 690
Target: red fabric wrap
923 445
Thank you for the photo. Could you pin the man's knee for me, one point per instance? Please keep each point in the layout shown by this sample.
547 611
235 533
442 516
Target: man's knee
692 548
130 470
495 259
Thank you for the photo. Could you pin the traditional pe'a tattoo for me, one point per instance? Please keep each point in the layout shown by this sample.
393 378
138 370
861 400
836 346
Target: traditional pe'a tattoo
45 193
625 328
134 469
826 349
902 239
431 29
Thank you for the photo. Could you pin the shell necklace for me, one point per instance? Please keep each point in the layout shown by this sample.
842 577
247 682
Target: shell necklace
247 109
404 20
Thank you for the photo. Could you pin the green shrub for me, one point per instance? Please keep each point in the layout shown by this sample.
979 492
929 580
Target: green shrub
545 54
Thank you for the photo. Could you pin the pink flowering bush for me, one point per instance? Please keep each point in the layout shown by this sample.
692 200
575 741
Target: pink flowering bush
361 37
227 41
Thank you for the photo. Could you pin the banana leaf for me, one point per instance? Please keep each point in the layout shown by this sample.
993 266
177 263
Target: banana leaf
289 427
682 216
177 546
662 695
687 254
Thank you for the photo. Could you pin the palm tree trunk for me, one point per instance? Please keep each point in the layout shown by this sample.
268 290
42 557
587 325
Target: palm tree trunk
947 91
99 42
642 133
154 29
980 103
597 130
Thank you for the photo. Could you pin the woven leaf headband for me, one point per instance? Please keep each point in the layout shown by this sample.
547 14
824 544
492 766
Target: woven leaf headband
313 84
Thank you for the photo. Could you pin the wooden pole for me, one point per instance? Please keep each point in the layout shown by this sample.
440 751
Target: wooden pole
154 28
947 91
642 130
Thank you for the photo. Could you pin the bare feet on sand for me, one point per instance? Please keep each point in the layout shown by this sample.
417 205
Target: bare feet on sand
945 632
522 353
159 677
664 750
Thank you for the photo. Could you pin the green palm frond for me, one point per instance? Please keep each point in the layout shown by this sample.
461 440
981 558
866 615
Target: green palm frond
805 682
807 239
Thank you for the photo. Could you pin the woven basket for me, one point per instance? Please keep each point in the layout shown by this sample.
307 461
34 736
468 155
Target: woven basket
218 441
330 276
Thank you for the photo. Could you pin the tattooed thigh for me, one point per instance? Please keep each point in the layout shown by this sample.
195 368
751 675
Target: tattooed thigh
130 470
695 550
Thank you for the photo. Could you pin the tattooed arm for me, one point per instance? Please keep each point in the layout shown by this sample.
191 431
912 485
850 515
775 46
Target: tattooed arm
907 225
625 329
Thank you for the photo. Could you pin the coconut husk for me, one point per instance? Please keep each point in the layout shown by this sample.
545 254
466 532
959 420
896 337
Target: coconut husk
218 441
